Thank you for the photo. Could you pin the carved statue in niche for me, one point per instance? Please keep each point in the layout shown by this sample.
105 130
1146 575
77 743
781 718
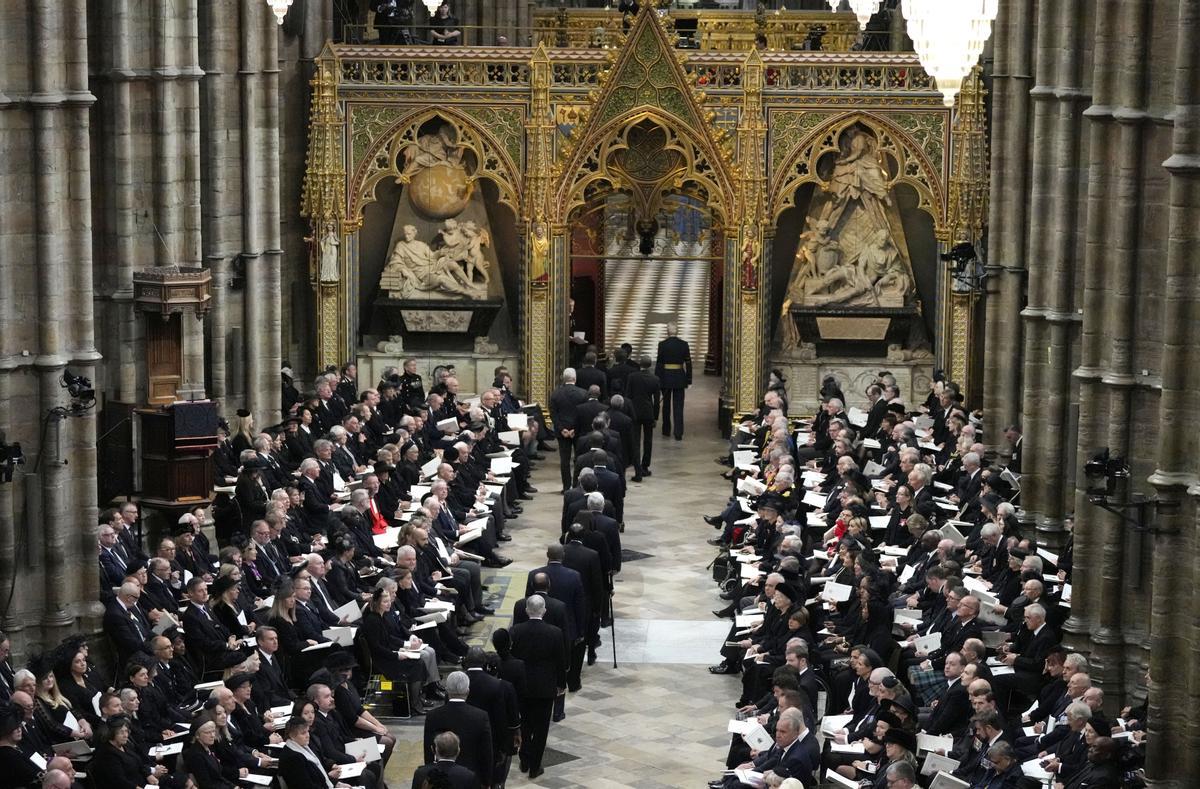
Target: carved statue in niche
455 269
539 267
849 255
436 173
327 271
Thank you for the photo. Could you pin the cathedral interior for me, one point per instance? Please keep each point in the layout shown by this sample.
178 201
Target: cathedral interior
199 194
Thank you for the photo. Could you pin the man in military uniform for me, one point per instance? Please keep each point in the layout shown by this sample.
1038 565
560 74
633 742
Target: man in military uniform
412 391
674 372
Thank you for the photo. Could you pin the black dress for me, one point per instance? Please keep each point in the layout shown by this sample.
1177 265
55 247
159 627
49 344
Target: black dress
113 768
205 768
383 645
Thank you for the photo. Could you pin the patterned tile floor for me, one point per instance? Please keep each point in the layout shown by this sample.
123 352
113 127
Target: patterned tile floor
643 296
658 719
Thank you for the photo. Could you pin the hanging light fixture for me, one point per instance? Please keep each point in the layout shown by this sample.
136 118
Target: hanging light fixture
949 36
432 6
864 10
280 7
834 5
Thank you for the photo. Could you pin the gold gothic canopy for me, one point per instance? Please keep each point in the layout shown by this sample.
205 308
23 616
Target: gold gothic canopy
543 131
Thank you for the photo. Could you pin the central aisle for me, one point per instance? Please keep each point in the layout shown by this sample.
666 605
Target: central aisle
658 720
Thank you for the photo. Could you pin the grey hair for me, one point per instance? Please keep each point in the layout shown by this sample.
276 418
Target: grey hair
458 685
1036 610
359 496
595 501
568 375
535 605
1080 711
308 463
337 431
1076 661
407 550
323 443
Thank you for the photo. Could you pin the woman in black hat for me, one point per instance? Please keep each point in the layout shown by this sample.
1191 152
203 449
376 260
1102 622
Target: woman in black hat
899 745
223 605
51 707
15 765
243 432
200 757
408 471
251 494
73 673
114 764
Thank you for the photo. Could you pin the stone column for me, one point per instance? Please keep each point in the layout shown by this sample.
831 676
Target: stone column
1011 81
54 240
81 586
1041 200
120 110
1124 123
1062 317
1089 520
1172 730
191 243
267 374
220 213
255 294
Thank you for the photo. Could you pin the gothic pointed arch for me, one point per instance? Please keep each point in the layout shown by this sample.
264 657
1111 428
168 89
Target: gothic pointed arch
646 131
381 155
906 159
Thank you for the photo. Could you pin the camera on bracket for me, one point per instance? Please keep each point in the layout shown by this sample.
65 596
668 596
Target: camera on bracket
1104 474
11 456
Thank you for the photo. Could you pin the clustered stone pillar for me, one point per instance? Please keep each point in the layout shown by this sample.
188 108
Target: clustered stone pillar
1011 82
1174 731
1118 241
57 208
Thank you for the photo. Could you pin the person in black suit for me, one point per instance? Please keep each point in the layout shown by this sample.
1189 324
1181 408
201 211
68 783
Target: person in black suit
446 749
952 706
619 372
621 423
498 698
125 624
206 637
586 562
112 566
563 402
316 502
875 414
470 724
1027 656
556 610
299 765
674 370
795 753
565 585
540 645
643 391
589 375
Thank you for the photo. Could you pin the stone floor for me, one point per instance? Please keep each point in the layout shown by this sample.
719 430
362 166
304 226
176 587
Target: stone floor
658 719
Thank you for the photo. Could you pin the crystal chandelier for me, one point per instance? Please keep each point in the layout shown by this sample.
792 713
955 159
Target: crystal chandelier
432 6
864 10
834 5
280 7
949 36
